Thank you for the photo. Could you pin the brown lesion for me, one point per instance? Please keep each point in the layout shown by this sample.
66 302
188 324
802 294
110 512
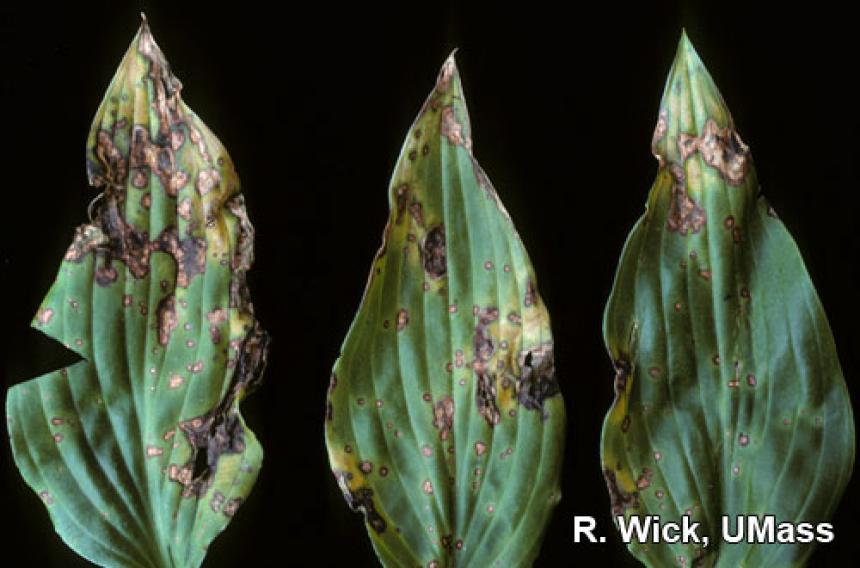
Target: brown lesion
685 215
688 145
443 85
433 255
220 430
530 296
417 212
401 197
622 374
210 436
537 380
483 343
720 148
166 317
443 416
484 347
485 398
451 128
147 157
620 500
113 165
105 275
87 239
216 318
644 479
189 254
166 86
443 82
113 239
207 180
243 255
402 319
231 506
126 243
200 143
184 209
361 499
659 133
217 501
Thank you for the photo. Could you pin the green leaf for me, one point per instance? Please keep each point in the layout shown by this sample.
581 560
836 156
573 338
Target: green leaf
444 422
729 395
138 451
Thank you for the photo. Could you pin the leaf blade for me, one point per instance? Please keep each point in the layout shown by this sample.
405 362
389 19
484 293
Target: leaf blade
721 347
146 441
428 380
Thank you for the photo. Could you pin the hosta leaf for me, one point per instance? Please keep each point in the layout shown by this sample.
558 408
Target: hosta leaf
729 395
444 424
139 451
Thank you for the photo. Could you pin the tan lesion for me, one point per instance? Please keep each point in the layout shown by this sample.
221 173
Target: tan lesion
443 416
720 148
451 128
443 82
167 87
167 319
659 133
685 215
87 239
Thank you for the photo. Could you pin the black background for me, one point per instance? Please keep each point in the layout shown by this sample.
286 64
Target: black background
313 105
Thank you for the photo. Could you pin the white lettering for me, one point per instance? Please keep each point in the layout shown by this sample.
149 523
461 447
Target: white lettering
738 536
635 525
584 526
825 532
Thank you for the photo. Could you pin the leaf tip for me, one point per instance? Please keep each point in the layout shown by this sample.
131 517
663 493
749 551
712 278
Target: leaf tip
144 30
691 98
448 72
686 53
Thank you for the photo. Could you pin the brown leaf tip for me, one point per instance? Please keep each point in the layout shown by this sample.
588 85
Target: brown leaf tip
448 71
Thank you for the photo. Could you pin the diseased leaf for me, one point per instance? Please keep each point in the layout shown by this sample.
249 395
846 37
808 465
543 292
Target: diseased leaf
139 451
729 398
444 423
